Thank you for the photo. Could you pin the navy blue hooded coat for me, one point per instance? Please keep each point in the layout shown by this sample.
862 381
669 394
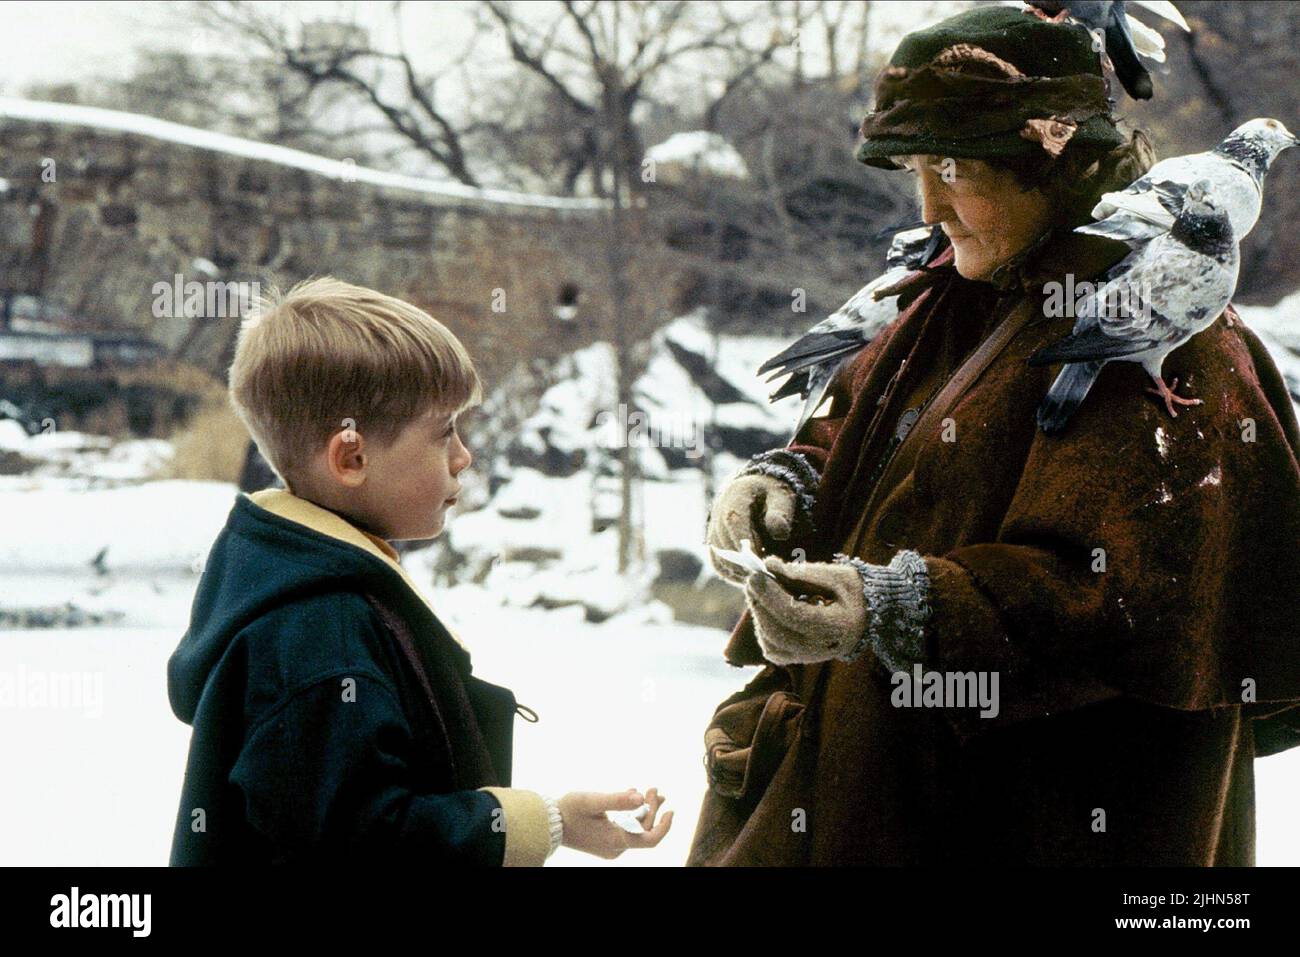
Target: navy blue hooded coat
334 716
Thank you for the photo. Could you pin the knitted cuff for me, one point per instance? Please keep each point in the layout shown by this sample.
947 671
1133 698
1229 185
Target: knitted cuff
555 821
898 608
794 469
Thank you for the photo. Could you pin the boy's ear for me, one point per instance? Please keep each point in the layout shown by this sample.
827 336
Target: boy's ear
346 458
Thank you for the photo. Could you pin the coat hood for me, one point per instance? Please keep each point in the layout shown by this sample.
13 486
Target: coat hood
274 549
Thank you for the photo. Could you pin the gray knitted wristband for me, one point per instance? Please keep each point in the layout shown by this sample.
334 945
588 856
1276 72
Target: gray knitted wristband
898 608
794 469
555 823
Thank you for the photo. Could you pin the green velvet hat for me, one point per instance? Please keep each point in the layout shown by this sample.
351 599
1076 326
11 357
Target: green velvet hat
991 82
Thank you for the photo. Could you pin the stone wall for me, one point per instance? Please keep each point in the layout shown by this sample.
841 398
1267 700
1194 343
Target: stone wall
125 211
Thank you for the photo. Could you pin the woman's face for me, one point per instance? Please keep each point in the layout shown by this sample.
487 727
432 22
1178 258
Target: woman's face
981 209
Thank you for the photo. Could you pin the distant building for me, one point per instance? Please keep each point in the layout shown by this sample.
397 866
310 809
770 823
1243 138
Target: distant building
79 350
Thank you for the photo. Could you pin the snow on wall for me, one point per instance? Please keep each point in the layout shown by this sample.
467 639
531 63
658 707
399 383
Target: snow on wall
38 111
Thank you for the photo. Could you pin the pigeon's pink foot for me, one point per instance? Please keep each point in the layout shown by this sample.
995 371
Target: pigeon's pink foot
1234 318
1166 392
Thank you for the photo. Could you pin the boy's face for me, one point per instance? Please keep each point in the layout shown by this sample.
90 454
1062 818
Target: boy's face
401 489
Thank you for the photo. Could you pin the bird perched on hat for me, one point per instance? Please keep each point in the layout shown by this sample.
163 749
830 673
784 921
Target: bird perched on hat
1124 40
984 84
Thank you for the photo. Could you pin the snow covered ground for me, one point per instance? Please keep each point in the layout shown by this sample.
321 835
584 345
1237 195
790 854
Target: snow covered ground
94 772
1278 327
621 704
95 780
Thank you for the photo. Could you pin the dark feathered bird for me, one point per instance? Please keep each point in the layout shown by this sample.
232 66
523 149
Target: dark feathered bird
1124 38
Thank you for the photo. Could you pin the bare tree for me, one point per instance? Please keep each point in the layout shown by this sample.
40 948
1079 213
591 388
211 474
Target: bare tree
600 61
340 55
585 73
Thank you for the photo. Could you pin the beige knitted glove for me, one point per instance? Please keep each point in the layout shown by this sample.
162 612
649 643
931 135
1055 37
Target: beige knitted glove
769 502
755 507
816 611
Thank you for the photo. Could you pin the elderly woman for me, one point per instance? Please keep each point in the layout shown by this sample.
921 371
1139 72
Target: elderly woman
995 645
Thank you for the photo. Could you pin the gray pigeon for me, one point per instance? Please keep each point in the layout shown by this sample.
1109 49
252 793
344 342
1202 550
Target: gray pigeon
1235 169
1166 291
813 359
1124 37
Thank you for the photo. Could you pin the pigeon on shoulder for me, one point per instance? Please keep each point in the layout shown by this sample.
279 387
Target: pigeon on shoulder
1167 290
813 359
1232 175
1235 170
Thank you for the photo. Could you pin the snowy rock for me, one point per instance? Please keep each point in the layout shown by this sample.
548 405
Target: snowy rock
1279 331
699 152
679 565
546 536
698 399
13 436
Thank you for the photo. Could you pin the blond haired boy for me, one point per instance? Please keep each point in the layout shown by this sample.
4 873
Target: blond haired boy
333 714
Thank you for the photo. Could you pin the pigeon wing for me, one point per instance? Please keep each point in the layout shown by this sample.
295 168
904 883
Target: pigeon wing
1117 320
811 346
1127 229
855 323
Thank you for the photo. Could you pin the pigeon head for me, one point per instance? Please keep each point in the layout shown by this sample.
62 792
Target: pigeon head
1198 192
1203 225
1255 144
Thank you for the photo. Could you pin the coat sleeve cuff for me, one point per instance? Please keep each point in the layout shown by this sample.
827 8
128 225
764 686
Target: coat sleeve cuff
898 610
527 826
556 822
796 471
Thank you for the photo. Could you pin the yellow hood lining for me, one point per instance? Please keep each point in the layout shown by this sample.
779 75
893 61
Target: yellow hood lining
285 504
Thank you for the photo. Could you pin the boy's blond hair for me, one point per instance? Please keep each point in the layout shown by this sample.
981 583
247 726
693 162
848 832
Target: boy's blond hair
330 356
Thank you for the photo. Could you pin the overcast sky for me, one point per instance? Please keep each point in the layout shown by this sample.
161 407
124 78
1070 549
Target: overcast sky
53 42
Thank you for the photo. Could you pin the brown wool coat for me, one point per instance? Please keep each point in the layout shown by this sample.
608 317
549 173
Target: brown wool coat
1121 691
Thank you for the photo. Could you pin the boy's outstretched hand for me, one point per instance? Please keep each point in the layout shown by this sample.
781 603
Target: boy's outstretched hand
586 828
